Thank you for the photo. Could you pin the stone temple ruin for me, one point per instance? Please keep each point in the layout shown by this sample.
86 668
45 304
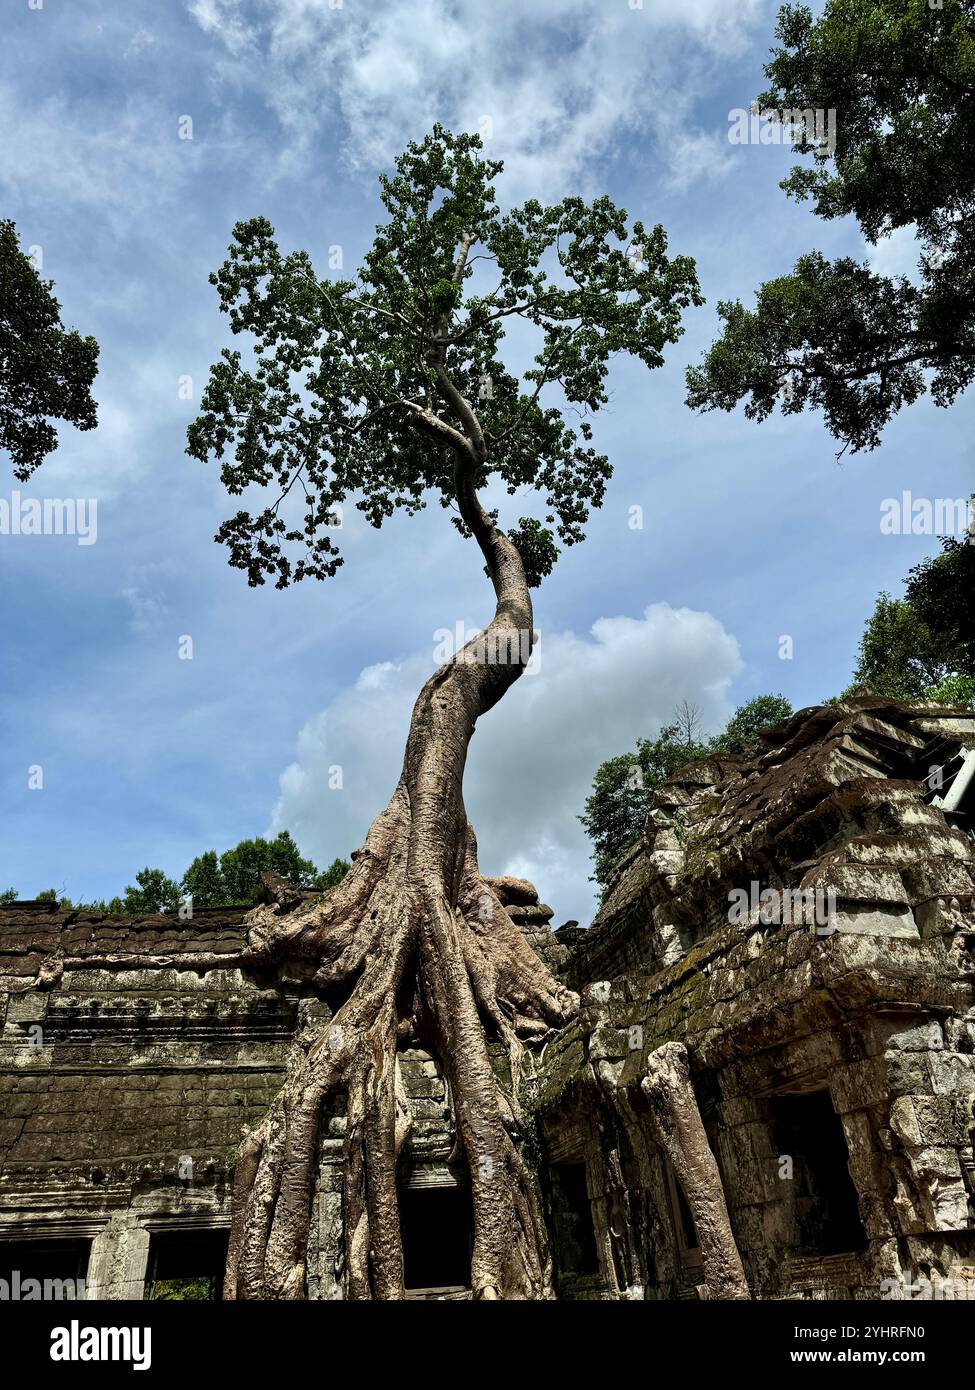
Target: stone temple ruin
767 1101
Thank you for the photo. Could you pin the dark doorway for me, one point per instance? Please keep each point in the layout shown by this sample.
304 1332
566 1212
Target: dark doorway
59 1267
187 1265
808 1130
438 1235
685 1232
575 1238
683 1215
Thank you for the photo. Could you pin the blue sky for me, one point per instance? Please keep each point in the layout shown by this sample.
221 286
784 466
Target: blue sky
750 532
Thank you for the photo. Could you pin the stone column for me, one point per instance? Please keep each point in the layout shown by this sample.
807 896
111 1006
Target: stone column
118 1261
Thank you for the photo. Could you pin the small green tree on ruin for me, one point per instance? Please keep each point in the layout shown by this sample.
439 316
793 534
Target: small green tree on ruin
622 787
383 392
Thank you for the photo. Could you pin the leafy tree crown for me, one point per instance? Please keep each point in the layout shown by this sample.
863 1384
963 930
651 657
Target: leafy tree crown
898 77
46 371
373 389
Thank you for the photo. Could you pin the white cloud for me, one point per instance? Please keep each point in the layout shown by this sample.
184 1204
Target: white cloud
73 154
532 757
97 463
696 155
561 82
896 254
140 42
221 17
147 612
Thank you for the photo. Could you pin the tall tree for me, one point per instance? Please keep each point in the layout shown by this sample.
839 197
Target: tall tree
46 371
899 75
386 390
242 866
899 654
922 646
622 791
941 590
203 883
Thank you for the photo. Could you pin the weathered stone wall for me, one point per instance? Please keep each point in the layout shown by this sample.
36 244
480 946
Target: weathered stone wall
126 1081
123 1090
874 1008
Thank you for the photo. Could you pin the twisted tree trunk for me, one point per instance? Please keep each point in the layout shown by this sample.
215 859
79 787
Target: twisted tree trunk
419 944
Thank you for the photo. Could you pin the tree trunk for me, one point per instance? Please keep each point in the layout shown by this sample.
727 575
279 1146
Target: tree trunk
415 943
668 1087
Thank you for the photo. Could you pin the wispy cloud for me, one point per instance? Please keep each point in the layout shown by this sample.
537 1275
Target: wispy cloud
71 155
223 18
145 596
555 86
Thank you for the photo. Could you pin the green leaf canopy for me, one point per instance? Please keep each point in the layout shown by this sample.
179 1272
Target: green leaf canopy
365 390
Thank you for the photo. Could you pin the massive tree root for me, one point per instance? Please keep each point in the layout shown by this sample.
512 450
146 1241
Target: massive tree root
414 942
677 1119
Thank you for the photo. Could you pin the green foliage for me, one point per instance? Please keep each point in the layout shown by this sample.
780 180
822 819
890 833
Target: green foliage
49 895
941 590
923 646
233 879
333 875
819 338
228 881
185 1289
954 690
900 74
242 866
623 787
537 549
899 655
740 734
9 895
154 893
46 372
616 810
364 389
203 881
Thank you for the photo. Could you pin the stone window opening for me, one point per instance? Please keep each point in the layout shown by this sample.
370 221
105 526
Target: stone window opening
574 1232
437 1231
59 1268
824 1199
186 1265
